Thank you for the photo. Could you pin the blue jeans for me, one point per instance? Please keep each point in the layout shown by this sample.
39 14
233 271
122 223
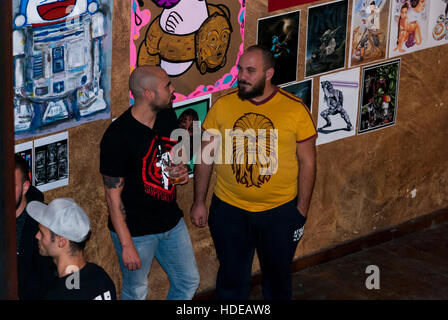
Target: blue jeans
174 251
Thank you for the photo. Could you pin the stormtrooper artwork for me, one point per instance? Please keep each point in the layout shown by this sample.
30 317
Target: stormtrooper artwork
58 63
334 100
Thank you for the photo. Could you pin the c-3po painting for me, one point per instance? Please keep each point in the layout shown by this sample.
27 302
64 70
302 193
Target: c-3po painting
58 64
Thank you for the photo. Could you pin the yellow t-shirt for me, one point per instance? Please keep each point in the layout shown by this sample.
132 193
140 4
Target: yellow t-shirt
257 169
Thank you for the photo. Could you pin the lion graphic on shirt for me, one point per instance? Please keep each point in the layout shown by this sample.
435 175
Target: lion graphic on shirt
255 150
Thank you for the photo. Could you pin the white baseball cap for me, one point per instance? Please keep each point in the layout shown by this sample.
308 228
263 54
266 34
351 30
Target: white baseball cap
63 216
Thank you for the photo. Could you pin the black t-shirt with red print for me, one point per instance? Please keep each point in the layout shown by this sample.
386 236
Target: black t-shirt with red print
131 150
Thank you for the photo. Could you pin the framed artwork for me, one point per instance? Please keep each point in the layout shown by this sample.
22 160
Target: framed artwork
379 96
190 116
326 37
338 105
280 35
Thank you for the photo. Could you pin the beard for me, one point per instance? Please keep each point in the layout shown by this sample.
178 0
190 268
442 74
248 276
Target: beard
159 106
256 91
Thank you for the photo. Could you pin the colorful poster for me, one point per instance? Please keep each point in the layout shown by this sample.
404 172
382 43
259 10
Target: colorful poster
379 96
369 32
280 35
274 5
408 26
438 23
62 64
338 105
303 90
190 115
51 161
326 38
25 150
198 43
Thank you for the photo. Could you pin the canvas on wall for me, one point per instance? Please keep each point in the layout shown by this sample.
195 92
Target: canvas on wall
338 105
190 116
198 43
326 38
369 30
303 90
408 26
438 23
51 166
62 64
280 35
379 96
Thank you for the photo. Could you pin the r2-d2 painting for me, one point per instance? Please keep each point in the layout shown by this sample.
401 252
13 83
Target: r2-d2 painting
57 62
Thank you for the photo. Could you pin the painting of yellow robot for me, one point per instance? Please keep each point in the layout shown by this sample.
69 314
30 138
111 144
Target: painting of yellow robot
197 42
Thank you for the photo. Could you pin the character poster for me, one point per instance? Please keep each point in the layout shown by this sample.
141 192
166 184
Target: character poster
370 20
198 43
338 105
274 5
303 90
379 96
51 168
62 64
190 116
438 23
25 150
408 26
280 35
326 38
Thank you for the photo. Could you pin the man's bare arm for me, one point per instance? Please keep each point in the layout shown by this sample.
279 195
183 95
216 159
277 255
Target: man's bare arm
202 174
113 187
306 154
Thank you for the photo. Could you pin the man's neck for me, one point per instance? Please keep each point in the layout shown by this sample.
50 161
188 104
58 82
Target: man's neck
21 207
68 264
268 90
144 114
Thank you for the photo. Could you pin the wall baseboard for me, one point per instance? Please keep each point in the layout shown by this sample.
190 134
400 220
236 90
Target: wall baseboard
345 248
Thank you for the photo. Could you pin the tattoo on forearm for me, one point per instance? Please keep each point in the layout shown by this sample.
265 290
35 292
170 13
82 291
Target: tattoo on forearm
113 182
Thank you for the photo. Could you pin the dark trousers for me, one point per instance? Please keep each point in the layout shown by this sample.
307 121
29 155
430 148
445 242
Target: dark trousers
238 233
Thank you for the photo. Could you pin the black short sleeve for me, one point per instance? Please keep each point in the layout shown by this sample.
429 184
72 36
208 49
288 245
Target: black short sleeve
113 154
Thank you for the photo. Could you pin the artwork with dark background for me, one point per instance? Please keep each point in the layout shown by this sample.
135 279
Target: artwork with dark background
379 96
326 38
303 90
280 35
51 163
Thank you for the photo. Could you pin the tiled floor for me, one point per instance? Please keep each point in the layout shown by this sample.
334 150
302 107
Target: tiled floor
411 267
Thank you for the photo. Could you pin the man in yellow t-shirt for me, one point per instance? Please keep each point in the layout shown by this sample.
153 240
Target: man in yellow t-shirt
258 136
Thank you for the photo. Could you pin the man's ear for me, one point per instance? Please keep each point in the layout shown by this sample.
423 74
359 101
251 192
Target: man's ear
149 94
26 186
62 242
269 74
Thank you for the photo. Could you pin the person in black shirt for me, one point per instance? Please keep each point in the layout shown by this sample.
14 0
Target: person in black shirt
64 229
34 272
136 161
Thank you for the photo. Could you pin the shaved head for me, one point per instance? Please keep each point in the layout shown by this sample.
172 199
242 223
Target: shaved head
144 78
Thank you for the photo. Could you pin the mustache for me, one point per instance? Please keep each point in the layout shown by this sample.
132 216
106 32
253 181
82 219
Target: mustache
244 82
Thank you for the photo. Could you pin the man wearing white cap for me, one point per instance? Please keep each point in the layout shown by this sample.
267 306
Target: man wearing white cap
64 229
